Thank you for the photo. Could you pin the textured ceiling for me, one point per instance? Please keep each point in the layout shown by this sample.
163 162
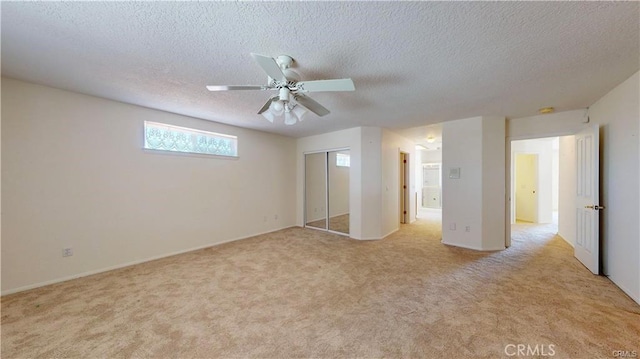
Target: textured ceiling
413 63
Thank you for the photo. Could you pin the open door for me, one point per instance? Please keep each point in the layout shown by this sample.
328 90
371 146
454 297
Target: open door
587 248
404 191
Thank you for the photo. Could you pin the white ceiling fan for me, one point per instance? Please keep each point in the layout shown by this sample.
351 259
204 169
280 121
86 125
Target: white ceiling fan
291 99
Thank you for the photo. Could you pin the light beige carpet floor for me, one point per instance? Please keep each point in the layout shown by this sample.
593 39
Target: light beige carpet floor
337 223
307 293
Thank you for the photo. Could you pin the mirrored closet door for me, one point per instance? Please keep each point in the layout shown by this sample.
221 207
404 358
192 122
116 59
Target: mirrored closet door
327 190
315 184
338 167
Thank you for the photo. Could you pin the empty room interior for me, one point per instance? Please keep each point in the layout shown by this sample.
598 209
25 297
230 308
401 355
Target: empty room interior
320 179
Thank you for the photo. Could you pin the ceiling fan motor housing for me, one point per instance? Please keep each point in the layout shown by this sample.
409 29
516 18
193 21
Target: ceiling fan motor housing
284 94
284 61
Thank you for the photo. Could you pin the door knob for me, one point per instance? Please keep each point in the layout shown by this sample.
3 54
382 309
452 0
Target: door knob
595 206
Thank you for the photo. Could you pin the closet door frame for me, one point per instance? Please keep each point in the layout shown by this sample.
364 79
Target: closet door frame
326 194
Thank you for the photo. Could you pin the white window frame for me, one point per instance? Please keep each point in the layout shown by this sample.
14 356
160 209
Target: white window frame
189 141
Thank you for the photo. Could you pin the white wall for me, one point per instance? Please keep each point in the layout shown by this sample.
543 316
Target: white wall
555 173
477 199
567 189
371 183
462 197
417 177
0 184
74 175
493 182
617 114
392 145
555 124
431 156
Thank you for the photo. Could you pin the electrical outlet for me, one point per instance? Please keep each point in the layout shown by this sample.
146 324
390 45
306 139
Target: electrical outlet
264 219
467 229
275 217
67 252
452 226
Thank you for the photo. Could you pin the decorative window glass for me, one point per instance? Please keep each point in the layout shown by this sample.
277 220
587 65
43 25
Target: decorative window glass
343 160
163 137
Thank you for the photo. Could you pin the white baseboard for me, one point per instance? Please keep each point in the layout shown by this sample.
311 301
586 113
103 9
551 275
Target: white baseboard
390 233
123 265
634 296
377 238
472 247
564 239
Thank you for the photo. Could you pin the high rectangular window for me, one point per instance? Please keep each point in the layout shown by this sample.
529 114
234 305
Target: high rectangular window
163 137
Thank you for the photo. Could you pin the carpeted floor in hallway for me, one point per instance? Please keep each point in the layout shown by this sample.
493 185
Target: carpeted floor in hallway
305 293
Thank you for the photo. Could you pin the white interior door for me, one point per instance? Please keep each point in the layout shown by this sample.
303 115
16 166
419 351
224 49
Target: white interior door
587 248
403 188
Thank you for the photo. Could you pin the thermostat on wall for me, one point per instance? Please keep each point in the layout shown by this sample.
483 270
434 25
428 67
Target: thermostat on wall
454 173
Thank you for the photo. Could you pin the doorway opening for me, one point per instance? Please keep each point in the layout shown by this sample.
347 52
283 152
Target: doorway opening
535 176
575 201
428 176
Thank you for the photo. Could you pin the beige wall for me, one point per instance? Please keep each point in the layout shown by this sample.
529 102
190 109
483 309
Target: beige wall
75 175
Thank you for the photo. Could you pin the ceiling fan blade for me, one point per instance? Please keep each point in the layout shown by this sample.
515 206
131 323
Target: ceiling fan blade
270 66
312 105
266 105
326 85
230 88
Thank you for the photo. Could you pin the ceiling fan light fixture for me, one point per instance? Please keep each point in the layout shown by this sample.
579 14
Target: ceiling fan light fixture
290 118
268 115
276 108
300 112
